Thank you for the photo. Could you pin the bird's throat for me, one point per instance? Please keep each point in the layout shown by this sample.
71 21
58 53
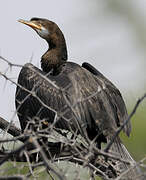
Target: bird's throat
56 54
53 59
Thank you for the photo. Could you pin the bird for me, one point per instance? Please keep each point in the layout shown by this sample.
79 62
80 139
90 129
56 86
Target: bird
84 101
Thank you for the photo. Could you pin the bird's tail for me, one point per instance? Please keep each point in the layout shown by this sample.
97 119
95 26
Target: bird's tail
130 171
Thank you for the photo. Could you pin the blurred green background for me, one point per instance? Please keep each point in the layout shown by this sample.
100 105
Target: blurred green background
136 144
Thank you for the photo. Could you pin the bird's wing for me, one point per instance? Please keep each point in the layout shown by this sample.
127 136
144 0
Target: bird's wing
91 104
114 96
84 102
38 96
43 96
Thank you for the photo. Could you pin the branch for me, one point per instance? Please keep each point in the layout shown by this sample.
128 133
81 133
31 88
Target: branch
9 63
13 130
45 160
19 177
10 155
126 121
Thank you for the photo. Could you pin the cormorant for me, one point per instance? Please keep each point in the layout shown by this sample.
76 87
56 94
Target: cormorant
82 98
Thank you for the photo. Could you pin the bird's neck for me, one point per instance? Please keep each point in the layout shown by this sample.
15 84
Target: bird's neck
56 54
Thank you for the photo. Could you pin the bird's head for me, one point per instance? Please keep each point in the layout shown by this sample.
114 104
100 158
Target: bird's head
45 28
49 31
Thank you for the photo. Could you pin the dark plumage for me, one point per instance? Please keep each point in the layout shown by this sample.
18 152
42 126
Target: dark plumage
84 100
98 105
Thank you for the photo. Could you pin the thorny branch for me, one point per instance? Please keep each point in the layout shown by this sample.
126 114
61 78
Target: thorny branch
126 121
70 153
37 154
13 130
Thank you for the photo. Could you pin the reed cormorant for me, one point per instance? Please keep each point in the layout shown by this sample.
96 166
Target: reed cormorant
82 98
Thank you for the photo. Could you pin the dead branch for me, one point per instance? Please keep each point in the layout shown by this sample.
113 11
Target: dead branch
126 121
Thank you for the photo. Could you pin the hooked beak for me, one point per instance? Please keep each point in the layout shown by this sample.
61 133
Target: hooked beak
31 24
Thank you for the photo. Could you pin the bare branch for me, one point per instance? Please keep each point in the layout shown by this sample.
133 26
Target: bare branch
9 63
126 121
12 177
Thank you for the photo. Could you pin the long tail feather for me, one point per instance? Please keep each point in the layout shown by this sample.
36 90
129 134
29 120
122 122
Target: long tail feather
130 171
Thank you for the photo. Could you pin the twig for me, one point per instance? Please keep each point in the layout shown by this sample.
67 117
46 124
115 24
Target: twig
44 157
126 121
13 130
94 168
9 155
20 177
9 63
